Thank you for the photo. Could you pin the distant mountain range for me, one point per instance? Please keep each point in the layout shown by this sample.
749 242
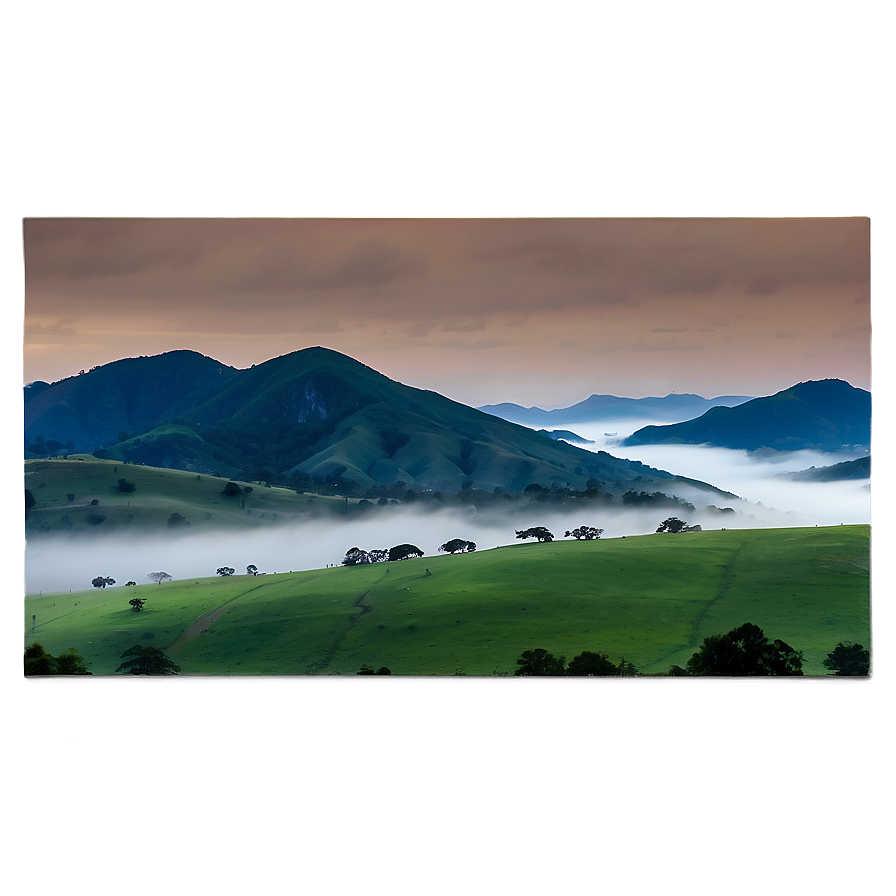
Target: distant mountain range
566 436
860 468
310 413
674 408
824 415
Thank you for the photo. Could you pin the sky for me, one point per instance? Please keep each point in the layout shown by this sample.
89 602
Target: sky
537 311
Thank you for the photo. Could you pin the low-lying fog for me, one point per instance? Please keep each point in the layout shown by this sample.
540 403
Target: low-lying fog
65 563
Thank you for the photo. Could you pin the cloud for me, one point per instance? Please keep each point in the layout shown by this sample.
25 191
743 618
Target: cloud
671 330
58 328
666 346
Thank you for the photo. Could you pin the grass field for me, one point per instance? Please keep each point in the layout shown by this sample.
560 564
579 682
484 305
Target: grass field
651 599
159 492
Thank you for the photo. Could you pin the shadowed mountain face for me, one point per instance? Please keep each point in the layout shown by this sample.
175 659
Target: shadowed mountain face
313 412
824 415
610 407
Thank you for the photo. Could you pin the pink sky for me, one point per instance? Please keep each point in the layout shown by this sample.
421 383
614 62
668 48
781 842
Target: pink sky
535 311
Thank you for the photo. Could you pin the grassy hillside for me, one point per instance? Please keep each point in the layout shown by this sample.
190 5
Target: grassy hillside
158 494
651 599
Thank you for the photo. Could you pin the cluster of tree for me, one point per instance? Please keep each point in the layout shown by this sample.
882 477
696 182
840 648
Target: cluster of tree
587 664
539 532
102 581
458 546
744 651
674 524
589 533
655 499
225 571
137 603
39 662
126 487
369 670
357 557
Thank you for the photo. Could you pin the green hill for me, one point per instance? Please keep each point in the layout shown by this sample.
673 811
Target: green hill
651 599
310 414
825 415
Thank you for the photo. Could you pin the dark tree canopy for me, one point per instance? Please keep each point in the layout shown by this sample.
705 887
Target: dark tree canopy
102 581
146 661
30 501
540 662
39 662
848 659
539 532
369 670
177 520
672 524
231 490
589 533
356 557
457 546
745 651
225 571
404 551
137 603
590 664
251 570
125 486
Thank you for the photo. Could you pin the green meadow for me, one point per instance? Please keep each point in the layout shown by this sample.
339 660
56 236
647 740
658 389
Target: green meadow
158 493
650 599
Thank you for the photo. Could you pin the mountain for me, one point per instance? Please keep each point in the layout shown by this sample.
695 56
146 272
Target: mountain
310 413
860 468
825 415
566 435
674 407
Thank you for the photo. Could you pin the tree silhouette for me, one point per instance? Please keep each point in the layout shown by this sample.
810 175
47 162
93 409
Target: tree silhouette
848 659
672 524
39 662
538 532
745 651
102 581
457 546
589 533
146 661
159 577
225 571
591 664
251 570
540 662
403 551
137 603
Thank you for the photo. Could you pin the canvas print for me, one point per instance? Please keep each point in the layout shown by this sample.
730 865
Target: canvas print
444 447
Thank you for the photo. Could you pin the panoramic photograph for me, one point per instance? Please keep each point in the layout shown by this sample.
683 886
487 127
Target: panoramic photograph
582 447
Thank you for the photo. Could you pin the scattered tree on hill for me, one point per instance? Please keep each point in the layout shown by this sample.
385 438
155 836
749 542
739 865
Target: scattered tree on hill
177 520
225 571
139 660
404 551
848 659
540 662
159 577
672 524
102 581
457 546
744 651
30 501
70 497
589 533
626 670
591 664
94 502
39 662
125 486
251 570
137 603
538 532
378 555
231 490
127 584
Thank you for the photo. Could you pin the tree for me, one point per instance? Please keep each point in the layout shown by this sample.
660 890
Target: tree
355 557
128 584
848 659
125 486
159 577
368 670
39 662
137 603
225 571
589 533
102 581
231 490
538 532
591 664
30 501
251 570
176 520
672 524
745 651
540 662
403 551
146 661
70 497
457 546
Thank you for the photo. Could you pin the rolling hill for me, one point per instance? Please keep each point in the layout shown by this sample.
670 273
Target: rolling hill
824 415
651 599
310 413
